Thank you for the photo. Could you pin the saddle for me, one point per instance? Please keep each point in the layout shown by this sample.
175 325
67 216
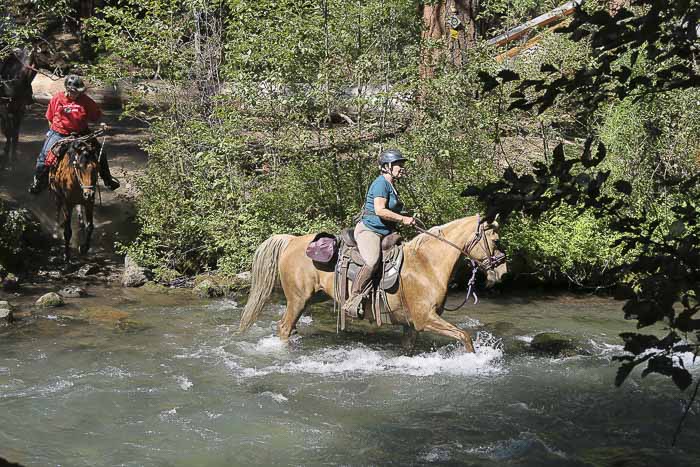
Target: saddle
342 256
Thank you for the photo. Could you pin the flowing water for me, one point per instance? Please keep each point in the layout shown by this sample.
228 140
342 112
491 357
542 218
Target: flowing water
135 378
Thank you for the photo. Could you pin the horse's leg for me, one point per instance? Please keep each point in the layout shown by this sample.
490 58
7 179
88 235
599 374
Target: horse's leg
299 281
67 230
288 323
88 226
408 340
435 323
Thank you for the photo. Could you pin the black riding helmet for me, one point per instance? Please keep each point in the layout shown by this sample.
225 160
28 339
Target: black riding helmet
390 156
74 83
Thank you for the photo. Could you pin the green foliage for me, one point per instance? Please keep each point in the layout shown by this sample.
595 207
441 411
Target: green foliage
19 236
23 22
563 246
150 37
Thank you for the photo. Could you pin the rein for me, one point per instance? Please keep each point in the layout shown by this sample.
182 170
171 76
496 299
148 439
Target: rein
489 263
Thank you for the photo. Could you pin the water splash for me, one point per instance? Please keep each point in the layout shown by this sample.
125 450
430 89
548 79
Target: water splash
362 360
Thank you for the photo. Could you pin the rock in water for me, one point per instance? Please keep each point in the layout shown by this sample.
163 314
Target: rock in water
50 299
554 343
88 270
208 289
5 312
133 275
72 292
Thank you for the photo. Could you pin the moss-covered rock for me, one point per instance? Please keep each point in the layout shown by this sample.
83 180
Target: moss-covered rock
208 288
51 299
155 287
553 343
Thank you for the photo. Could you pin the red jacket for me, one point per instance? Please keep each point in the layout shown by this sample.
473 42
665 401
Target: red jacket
67 116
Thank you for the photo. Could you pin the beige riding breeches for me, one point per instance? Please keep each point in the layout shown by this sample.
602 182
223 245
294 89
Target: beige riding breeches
369 243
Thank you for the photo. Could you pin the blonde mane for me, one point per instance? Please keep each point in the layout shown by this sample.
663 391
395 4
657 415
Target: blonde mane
418 240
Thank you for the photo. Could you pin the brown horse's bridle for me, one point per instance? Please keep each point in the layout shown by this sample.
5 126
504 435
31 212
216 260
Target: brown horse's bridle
74 163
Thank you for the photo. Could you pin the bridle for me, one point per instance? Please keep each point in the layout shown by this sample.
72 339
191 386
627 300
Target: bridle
74 163
489 263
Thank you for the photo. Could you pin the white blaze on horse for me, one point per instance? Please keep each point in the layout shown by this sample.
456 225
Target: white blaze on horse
417 302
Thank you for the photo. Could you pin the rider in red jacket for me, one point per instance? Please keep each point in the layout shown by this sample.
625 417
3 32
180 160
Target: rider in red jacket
69 113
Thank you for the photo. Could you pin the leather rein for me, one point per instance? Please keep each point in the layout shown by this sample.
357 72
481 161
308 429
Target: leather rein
491 262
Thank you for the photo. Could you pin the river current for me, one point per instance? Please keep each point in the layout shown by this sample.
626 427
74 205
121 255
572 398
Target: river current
132 378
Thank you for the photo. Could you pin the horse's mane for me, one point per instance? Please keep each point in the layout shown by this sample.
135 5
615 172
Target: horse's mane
418 240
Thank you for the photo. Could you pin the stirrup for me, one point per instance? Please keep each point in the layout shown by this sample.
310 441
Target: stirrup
353 306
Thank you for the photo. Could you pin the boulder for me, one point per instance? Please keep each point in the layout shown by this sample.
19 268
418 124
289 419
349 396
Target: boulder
554 343
55 275
133 275
208 288
5 312
88 270
72 292
10 283
244 276
50 299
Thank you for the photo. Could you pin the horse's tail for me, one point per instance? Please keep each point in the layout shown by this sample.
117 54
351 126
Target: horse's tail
263 276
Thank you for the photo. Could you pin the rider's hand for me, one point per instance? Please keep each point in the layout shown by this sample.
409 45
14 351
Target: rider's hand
407 220
103 126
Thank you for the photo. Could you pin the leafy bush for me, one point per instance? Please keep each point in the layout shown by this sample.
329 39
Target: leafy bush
563 246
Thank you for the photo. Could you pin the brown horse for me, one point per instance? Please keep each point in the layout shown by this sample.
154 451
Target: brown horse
16 75
73 182
418 301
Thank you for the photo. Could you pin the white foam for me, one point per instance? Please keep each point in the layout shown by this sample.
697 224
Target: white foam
279 398
184 383
306 320
359 359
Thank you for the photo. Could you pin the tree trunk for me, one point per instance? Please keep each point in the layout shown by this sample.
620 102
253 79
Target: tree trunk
440 39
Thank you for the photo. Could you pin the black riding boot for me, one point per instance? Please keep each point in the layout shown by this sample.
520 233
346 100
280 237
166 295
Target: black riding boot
109 181
360 287
41 179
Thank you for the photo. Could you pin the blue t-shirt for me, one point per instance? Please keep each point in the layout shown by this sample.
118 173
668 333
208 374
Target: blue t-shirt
381 188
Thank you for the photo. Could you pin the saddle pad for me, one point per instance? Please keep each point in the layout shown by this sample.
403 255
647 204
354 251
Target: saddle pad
51 159
322 249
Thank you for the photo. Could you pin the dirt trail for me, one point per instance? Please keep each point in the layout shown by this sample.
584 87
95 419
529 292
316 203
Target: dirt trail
114 218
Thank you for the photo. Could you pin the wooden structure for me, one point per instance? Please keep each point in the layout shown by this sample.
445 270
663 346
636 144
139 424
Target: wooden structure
519 31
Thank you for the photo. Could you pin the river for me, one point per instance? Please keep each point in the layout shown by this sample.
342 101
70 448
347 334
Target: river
134 378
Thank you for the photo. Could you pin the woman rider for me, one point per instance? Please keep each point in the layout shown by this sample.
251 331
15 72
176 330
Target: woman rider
69 112
381 214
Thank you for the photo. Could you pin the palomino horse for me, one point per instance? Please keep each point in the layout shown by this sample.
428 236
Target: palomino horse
73 182
16 76
418 301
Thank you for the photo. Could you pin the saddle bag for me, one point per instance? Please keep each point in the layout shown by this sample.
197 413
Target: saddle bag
323 248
